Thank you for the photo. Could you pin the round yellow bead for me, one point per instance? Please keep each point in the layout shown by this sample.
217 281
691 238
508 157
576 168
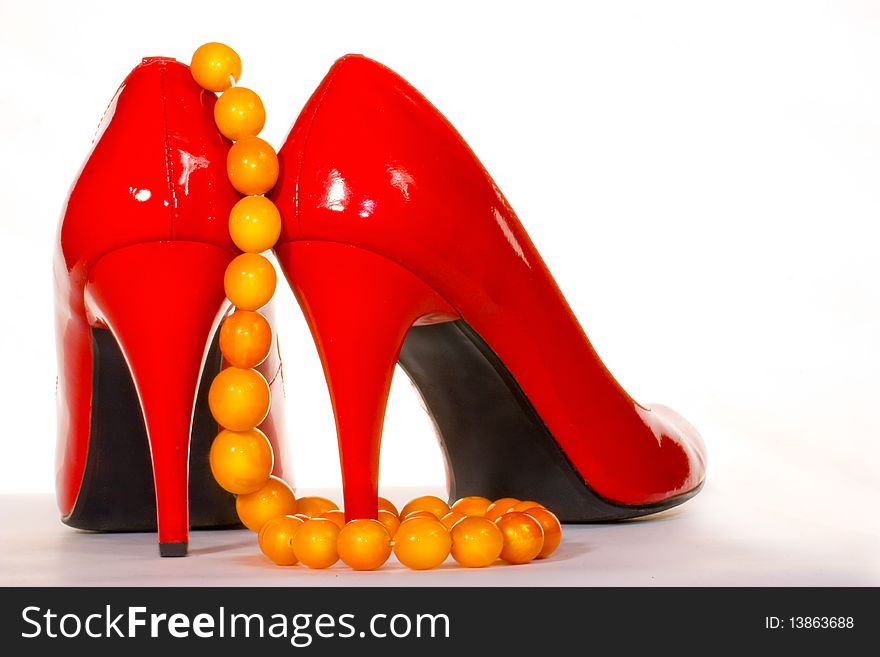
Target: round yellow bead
336 516
249 281
426 503
252 166
314 506
245 339
523 537
239 113
274 499
241 461
473 505
364 544
239 399
476 542
552 530
276 539
390 520
421 513
526 505
387 505
215 66
451 518
315 543
422 543
501 506
254 224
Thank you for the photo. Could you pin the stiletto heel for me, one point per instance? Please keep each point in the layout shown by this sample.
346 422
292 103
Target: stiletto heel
162 336
141 251
359 307
523 404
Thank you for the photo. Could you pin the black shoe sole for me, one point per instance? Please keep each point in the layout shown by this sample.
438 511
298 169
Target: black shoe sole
117 493
494 441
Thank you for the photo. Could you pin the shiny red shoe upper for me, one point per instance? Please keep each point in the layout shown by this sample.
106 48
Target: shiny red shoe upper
370 162
156 173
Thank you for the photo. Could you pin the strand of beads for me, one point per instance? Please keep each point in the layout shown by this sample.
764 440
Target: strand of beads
312 530
241 455
475 531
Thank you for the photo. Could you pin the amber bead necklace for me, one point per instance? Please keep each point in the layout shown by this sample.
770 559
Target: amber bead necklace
476 531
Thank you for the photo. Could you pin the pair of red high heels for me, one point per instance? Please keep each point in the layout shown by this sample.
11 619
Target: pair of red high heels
399 248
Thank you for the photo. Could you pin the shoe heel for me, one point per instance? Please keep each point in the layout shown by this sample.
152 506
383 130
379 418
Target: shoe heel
162 301
359 307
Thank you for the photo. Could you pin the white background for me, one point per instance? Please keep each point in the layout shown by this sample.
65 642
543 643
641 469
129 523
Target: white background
702 179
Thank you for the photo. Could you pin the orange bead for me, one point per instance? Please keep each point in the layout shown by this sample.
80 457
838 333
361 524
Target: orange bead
390 520
241 461
499 507
451 518
387 505
524 506
523 537
418 514
473 505
252 166
315 543
239 113
336 516
314 506
215 66
276 539
274 499
239 399
552 530
254 224
364 544
249 281
245 339
476 542
422 543
426 503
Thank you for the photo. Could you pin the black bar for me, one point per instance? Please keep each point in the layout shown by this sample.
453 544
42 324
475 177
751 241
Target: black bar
518 620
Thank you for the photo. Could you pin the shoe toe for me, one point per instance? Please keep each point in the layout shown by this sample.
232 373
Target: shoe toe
670 425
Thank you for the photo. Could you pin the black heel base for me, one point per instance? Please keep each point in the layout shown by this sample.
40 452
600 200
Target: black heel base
173 549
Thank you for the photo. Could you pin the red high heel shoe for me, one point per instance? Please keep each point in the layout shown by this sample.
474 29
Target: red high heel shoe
139 266
397 242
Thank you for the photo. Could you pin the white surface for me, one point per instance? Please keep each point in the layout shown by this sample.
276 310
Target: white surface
702 179
720 538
